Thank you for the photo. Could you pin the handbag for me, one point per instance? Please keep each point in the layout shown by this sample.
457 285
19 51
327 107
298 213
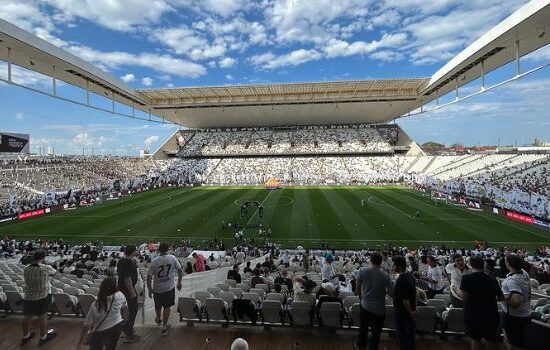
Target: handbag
91 334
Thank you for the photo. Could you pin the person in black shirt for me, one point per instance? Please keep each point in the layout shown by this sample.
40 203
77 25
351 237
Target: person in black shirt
404 304
247 268
480 293
234 274
283 279
127 279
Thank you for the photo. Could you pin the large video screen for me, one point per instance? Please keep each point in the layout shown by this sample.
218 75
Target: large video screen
14 143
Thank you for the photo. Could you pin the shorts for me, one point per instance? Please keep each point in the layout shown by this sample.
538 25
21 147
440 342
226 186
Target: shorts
166 299
482 329
37 307
515 329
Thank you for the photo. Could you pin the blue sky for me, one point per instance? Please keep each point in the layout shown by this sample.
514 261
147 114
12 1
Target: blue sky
164 43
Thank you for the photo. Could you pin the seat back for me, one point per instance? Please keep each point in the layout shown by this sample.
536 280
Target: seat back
454 320
202 296
425 318
262 286
15 300
343 295
64 304
85 302
350 300
231 283
272 312
301 313
355 314
237 292
253 297
244 286
331 314
92 291
223 286
439 304
446 297
216 309
215 291
276 296
188 308
228 297
258 291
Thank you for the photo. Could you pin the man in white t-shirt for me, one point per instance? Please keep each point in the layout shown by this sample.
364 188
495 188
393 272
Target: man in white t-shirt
161 273
434 277
456 270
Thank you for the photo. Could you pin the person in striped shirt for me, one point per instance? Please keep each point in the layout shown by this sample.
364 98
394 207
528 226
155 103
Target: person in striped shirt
38 297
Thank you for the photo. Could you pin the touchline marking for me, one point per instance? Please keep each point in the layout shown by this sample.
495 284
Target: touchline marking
498 221
389 205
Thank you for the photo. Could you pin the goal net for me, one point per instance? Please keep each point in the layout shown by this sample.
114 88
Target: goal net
439 196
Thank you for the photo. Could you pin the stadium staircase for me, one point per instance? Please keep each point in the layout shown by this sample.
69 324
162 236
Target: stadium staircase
416 159
212 171
457 164
428 165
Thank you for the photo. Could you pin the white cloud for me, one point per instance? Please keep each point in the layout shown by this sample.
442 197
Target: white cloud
127 78
228 77
147 81
186 41
150 140
19 116
84 139
270 61
157 62
227 62
122 15
224 8
337 48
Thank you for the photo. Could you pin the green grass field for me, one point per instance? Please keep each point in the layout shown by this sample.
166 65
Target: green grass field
297 216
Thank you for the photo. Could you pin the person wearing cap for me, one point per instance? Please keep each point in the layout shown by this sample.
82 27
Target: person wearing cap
38 298
160 283
327 270
127 279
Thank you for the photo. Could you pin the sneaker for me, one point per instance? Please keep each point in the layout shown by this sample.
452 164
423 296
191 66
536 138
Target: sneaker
158 321
26 339
165 330
135 339
49 336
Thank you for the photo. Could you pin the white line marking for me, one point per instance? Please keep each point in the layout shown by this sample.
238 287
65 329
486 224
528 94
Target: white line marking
389 205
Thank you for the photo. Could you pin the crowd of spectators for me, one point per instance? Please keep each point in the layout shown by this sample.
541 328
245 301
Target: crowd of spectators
297 140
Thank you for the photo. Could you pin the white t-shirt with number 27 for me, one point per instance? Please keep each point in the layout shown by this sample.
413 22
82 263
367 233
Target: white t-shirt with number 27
163 269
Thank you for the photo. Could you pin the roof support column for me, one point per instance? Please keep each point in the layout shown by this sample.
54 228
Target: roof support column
87 92
54 83
483 75
9 64
456 89
518 66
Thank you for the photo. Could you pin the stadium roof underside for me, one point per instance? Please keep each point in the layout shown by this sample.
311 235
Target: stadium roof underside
341 102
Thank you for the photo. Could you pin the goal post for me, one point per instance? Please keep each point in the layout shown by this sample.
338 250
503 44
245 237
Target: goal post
439 196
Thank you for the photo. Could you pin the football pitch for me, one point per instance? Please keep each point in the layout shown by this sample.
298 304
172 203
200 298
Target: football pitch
351 217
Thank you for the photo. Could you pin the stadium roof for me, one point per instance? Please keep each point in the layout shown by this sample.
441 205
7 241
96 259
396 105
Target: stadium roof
366 101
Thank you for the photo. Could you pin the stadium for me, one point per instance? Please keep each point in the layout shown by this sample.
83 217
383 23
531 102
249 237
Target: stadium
292 176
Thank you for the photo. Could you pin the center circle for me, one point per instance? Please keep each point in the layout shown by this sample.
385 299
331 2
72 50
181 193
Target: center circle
286 201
